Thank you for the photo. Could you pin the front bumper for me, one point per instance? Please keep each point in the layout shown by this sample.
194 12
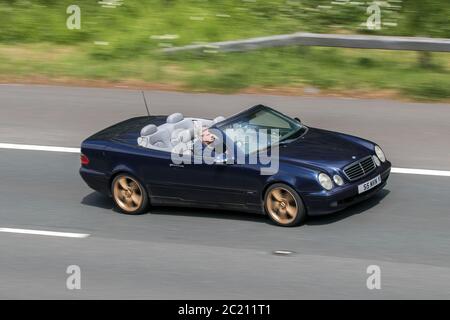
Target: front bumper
339 198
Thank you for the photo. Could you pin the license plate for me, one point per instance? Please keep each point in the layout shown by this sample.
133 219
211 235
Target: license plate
369 184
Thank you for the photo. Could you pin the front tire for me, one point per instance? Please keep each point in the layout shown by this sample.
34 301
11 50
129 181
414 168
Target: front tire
284 206
129 196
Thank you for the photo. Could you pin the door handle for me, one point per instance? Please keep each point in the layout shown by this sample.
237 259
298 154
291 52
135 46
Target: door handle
176 165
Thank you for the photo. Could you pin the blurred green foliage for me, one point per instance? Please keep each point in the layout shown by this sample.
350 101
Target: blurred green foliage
202 20
132 31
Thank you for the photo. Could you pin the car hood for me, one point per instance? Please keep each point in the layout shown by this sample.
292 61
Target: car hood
325 149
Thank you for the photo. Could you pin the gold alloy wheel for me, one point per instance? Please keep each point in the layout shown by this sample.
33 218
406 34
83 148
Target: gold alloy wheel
128 194
282 205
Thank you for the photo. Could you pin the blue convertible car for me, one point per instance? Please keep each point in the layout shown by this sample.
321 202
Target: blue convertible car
258 160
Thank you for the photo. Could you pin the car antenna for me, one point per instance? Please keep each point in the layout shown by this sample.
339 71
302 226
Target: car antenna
145 102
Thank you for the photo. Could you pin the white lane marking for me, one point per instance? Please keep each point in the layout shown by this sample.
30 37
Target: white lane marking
282 252
45 233
427 172
38 148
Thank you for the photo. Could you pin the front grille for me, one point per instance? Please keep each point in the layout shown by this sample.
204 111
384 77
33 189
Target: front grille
359 168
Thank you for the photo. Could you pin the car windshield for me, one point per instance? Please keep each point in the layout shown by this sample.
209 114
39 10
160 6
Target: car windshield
259 129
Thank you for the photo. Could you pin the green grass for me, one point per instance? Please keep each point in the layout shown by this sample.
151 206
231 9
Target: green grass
347 70
34 42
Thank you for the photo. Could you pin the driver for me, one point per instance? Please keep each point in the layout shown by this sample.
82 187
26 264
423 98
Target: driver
210 143
207 137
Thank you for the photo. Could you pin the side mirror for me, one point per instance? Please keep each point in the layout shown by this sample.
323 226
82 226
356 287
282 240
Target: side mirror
298 119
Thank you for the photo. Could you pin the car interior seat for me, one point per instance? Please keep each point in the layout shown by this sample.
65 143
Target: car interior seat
160 139
182 136
145 133
175 131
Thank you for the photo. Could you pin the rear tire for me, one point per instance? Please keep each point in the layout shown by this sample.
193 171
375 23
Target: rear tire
284 206
129 195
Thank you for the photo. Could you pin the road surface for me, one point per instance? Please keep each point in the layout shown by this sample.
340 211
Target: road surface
208 254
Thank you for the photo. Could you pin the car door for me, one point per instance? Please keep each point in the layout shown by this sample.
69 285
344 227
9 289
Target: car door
201 183
159 173
212 182
216 185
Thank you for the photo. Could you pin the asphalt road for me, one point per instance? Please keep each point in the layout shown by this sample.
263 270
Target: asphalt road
188 253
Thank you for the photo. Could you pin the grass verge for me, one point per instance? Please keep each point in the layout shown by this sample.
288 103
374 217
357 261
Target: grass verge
288 70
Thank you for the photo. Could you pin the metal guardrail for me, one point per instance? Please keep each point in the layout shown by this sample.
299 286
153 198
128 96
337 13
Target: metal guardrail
324 40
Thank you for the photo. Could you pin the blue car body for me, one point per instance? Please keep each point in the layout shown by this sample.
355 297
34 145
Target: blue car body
241 187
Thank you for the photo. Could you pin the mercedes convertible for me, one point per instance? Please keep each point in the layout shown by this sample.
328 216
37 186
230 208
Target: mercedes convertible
258 160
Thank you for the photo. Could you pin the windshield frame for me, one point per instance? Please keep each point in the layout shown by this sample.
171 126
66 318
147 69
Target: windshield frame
295 125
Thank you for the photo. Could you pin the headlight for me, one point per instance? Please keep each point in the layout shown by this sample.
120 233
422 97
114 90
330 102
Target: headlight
380 154
338 180
325 181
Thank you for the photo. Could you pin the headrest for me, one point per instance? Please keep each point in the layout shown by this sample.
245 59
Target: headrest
218 119
148 130
175 117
